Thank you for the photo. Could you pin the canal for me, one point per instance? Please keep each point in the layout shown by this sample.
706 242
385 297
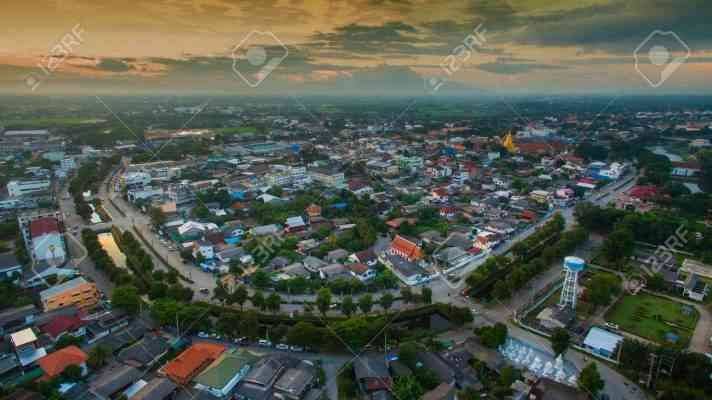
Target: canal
107 243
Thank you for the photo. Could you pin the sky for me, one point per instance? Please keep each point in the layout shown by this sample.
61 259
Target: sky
364 47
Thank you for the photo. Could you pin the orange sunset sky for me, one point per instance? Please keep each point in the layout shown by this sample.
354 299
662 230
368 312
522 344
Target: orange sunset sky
356 46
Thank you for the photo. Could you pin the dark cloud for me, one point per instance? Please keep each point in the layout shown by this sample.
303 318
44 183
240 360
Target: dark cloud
113 65
509 68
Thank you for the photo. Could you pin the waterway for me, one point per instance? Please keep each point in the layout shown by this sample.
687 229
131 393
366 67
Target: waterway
109 245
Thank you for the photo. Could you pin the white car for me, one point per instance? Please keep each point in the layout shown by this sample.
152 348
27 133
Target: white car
203 335
296 349
611 325
282 346
264 343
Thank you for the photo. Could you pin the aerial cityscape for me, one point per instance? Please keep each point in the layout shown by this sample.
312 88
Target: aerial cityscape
356 200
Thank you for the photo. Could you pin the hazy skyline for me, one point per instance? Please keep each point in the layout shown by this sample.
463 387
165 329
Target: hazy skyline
360 46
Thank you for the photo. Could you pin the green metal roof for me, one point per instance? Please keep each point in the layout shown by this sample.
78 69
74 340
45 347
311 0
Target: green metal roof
219 373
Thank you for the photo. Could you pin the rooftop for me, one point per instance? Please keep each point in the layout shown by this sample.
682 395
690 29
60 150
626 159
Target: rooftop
220 372
192 361
61 288
42 226
23 337
55 363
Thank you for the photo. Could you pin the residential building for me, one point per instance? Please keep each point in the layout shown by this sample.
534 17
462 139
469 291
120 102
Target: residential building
221 377
296 381
192 361
180 193
26 346
157 389
55 363
113 380
19 188
328 177
78 292
47 242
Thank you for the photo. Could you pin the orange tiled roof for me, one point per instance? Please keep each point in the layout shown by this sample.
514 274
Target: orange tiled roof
406 247
190 362
53 364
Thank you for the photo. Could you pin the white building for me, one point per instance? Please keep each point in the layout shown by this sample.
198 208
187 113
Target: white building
23 188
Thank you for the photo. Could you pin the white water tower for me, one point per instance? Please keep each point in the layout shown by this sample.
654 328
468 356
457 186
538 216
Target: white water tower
572 267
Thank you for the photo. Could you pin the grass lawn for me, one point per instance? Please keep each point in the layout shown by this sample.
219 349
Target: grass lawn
651 317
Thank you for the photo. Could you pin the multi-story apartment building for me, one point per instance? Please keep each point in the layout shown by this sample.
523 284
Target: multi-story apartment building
77 292
19 188
180 193
328 176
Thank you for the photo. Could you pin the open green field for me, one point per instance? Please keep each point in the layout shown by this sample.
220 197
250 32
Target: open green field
48 122
243 130
651 317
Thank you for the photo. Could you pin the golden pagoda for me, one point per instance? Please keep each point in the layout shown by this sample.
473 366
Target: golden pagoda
508 143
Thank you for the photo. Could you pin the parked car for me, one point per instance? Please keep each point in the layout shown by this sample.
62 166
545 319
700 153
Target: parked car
203 335
264 343
204 290
611 325
296 349
282 346
243 341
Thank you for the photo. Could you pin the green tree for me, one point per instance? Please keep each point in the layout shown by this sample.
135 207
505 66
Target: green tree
258 300
407 387
304 334
274 302
323 300
492 336
407 354
386 301
220 293
601 289
250 325
560 340
127 299
590 380
427 295
619 245
365 303
72 373
240 296
348 307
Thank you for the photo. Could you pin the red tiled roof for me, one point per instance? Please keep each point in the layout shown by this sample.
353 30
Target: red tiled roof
190 362
43 226
643 192
53 364
61 324
358 268
406 247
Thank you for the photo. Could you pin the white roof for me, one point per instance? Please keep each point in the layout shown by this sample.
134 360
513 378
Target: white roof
602 339
23 337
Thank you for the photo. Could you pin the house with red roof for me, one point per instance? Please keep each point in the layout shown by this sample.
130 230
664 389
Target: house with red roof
64 325
54 364
405 248
47 242
192 361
